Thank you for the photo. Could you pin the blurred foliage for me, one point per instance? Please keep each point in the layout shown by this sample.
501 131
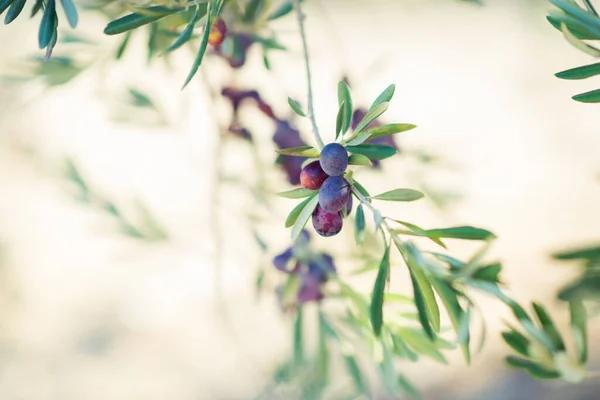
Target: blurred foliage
148 228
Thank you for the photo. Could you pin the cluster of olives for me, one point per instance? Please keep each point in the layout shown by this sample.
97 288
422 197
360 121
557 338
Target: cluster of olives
326 176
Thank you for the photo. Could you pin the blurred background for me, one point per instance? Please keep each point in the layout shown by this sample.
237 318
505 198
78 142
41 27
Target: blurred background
154 296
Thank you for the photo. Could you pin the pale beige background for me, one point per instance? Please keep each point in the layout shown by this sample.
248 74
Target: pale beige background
89 314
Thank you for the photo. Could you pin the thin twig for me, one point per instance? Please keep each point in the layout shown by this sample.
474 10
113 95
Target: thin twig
311 111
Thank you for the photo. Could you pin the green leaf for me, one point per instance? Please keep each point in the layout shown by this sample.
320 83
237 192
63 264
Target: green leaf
578 28
345 103
355 372
377 132
388 369
135 20
384 97
201 48
455 312
123 45
371 116
413 259
575 11
339 120
548 326
361 189
186 34
489 273
408 387
540 336
402 349
4 4
253 10
418 231
322 370
47 25
590 7
517 342
377 219
283 9
302 151
71 12
577 43
462 232
13 11
400 195
588 97
34 10
534 369
359 225
373 151
296 107
579 329
359 159
298 193
587 253
378 293
298 338
304 216
421 344
582 72
421 307
293 216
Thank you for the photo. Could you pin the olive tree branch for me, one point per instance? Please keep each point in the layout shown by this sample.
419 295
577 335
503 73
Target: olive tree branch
311 111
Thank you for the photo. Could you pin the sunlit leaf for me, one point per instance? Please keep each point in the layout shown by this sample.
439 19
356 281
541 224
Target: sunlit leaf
577 27
302 151
400 195
339 120
304 216
371 116
421 344
361 189
455 312
490 273
384 97
298 193
293 216
574 10
577 43
517 342
359 159
345 103
401 348
418 231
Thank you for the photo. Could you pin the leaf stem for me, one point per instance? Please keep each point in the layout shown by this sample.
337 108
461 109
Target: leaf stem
311 111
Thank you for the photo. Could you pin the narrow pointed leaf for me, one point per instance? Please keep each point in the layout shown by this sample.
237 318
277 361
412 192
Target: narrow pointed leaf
293 216
418 231
298 193
534 369
4 4
578 28
361 189
345 103
373 151
371 116
298 338
339 120
421 344
384 97
359 225
421 307
548 326
455 313
590 7
47 25
302 151
14 11
135 20
400 195
378 293
588 97
517 342
574 10
355 372
186 34
201 48
71 12
123 45
577 43
304 216
462 232
296 107
283 9
583 72
412 257
579 329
